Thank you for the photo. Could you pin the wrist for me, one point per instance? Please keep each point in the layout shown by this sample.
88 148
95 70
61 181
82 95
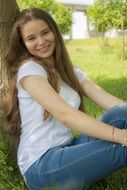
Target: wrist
117 135
120 136
124 143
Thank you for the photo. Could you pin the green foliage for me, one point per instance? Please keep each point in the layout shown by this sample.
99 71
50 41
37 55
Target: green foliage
61 14
46 5
108 14
63 17
96 14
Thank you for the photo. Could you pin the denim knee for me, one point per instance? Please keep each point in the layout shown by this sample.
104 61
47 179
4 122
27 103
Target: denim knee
115 114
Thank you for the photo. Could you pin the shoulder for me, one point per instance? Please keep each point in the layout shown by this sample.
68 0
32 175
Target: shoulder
31 67
32 64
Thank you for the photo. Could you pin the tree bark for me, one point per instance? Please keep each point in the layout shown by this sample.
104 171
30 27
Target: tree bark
8 11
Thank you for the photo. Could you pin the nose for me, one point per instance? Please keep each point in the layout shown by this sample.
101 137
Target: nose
40 40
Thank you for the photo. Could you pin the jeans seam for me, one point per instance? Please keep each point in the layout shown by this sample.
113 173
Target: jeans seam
29 184
116 120
61 156
55 170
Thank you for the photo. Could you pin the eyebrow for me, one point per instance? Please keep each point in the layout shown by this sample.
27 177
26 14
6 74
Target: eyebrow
31 35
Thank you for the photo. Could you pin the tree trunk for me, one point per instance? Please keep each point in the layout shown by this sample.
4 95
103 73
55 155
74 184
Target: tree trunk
8 11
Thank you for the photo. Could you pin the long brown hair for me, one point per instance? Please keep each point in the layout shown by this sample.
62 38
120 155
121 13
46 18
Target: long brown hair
17 53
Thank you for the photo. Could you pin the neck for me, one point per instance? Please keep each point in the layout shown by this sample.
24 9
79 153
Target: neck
49 61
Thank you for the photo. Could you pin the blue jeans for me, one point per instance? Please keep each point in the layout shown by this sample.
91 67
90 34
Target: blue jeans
82 161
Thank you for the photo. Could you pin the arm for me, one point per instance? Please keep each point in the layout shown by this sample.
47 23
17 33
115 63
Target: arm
98 95
42 92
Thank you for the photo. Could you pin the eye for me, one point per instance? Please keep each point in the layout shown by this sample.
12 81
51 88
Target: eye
31 38
45 32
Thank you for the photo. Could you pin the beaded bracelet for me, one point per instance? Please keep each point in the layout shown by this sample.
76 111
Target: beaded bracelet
125 139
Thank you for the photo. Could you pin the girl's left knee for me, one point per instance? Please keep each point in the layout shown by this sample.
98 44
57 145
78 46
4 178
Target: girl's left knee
118 112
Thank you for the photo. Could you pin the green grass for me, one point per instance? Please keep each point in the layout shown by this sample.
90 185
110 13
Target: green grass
108 70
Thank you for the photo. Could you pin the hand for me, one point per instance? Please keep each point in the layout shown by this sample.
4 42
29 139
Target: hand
124 137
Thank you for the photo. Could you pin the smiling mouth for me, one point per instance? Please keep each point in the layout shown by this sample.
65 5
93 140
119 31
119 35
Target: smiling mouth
43 49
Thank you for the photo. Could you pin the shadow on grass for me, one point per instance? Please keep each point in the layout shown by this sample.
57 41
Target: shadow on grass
117 87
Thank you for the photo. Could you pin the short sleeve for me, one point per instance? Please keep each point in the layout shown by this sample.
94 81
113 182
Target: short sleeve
81 75
30 68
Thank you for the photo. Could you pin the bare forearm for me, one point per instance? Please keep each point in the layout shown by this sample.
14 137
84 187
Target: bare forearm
107 101
99 95
85 124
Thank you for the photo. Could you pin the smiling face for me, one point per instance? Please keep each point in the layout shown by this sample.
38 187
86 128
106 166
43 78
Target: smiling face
38 38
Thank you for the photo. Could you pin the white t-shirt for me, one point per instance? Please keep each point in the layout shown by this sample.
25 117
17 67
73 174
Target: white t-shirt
37 135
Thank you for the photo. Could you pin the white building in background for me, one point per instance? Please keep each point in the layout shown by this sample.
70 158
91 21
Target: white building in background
80 27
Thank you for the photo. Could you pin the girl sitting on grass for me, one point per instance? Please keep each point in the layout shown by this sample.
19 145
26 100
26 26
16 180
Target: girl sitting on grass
46 103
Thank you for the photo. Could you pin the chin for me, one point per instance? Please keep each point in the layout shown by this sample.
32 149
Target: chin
45 56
